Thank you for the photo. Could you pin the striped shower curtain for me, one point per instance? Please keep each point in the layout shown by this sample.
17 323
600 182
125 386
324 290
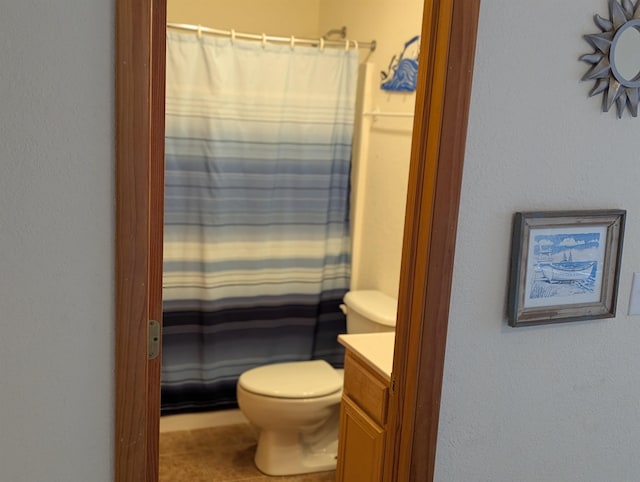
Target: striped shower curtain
257 249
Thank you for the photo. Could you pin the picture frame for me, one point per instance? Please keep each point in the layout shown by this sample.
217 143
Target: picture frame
565 266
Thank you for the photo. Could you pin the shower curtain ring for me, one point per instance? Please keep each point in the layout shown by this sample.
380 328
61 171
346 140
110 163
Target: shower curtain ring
322 43
264 40
233 35
355 45
293 42
346 45
199 31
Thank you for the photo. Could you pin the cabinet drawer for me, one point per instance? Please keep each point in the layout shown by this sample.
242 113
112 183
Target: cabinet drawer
366 388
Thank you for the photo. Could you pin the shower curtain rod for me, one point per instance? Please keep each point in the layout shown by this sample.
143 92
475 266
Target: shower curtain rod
319 42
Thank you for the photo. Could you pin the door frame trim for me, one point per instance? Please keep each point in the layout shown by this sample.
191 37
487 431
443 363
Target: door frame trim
435 180
140 99
433 199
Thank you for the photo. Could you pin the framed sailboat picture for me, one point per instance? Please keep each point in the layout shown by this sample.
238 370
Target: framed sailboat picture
565 266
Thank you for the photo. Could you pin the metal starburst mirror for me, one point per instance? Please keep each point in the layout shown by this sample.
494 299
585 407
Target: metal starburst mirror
615 64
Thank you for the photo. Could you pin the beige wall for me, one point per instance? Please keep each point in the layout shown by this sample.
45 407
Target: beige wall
391 23
273 17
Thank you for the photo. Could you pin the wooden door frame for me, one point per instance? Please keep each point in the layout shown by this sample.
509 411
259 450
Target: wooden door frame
435 179
435 182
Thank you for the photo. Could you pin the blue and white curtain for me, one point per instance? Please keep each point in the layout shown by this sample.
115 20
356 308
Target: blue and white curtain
257 249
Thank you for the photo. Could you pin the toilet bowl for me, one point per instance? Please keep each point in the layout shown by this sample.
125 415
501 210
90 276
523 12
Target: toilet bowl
296 405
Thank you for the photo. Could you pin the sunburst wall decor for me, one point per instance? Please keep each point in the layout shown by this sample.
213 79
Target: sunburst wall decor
616 87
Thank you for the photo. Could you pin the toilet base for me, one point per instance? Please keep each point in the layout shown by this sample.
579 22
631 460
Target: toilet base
290 453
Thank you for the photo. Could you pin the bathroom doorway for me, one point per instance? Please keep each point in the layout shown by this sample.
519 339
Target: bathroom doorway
243 243
433 194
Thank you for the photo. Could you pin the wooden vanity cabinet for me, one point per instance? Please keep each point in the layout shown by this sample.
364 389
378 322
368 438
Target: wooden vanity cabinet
363 418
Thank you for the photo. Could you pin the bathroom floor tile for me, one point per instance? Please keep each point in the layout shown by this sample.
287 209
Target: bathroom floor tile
234 463
225 436
188 466
220 454
317 477
177 443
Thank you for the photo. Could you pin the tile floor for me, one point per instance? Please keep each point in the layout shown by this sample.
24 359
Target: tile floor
220 454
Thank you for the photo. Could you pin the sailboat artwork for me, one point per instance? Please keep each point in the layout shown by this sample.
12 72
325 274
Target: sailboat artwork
568 270
564 264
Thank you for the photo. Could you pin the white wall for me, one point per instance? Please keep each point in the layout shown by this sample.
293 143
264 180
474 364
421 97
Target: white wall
554 403
558 402
56 241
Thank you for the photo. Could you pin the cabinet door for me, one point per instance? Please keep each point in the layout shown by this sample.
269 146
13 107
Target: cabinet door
361 445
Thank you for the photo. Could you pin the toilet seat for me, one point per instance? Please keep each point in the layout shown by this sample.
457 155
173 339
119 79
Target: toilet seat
303 379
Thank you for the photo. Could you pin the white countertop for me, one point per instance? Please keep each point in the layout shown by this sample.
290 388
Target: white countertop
374 348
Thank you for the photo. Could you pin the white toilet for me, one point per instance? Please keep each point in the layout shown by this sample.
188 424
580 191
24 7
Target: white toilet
296 405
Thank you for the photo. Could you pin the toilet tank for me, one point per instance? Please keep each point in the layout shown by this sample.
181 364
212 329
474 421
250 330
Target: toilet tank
370 311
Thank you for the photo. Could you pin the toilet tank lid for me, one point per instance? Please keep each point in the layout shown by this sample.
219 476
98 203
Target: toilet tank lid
373 305
302 379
